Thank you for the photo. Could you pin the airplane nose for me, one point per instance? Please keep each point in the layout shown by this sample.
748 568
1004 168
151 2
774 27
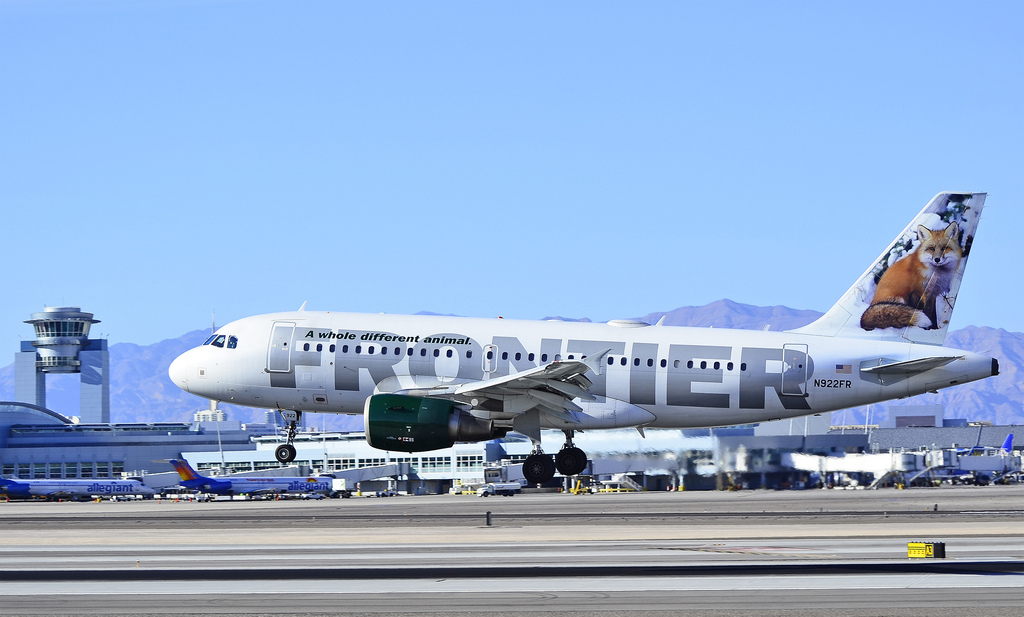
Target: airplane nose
178 372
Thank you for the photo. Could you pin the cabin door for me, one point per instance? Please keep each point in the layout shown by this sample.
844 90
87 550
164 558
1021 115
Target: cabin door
279 359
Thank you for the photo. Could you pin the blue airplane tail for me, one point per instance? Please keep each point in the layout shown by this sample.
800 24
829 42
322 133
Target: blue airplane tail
1008 444
190 478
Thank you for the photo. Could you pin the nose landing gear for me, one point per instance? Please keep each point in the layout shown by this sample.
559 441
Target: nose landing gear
285 453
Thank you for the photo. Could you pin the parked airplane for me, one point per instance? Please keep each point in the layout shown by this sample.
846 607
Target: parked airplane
74 488
249 485
425 382
979 450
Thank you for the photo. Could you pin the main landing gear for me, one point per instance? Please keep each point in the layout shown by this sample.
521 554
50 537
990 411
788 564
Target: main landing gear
285 453
538 468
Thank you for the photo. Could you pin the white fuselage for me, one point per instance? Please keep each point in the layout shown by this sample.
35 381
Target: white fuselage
668 377
76 488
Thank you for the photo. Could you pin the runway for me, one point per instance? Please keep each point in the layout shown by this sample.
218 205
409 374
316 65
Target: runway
794 553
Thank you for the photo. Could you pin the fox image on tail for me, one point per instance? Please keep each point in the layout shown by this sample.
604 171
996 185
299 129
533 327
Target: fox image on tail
908 290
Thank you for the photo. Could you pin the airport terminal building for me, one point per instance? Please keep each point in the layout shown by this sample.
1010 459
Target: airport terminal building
37 443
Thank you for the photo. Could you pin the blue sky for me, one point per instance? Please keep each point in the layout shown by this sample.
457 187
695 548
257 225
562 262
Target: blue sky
160 160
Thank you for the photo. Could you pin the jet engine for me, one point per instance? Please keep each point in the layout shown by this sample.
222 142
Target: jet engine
418 424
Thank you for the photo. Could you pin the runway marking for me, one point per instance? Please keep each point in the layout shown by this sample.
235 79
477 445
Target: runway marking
775 551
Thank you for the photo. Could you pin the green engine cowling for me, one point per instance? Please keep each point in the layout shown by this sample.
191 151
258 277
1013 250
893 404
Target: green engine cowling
418 424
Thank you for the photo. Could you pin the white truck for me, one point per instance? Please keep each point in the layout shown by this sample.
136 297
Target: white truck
499 488
339 488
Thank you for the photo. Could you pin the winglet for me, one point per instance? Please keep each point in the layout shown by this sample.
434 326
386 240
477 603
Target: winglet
909 291
595 362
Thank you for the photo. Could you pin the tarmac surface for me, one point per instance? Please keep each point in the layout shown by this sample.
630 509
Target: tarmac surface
792 553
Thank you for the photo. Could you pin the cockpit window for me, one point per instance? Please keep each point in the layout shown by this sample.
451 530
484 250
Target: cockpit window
232 342
210 340
218 341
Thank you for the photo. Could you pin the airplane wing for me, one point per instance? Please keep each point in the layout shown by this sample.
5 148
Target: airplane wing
54 493
550 388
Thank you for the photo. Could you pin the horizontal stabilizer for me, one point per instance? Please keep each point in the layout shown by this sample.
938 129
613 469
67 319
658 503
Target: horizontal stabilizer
909 367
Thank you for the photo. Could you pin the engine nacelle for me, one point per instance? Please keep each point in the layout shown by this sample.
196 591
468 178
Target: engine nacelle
418 424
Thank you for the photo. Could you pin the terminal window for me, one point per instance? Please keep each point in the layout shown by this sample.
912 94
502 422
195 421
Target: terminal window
338 464
433 464
469 462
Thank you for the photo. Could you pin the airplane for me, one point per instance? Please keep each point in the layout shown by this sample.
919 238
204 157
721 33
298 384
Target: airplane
424 382
74 488
249 485
979 450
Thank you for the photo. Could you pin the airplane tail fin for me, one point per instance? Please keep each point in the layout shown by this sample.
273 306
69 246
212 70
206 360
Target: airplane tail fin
908 293
185 470
1008 444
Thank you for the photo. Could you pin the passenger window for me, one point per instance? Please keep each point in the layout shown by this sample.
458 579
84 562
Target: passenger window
611 361
490 355
448 354
675 364
650 362
530 357
423 351
369 350
703 364
469 353
636 361
689 364
519 356
331 348
728 366
410 351
437 352
623 361
570 356
504 355
398 351
718 365
344 349
232 342
663 363
743 366
359 349
305 347
544 357
319 347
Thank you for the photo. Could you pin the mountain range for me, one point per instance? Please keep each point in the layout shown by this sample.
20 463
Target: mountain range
141 391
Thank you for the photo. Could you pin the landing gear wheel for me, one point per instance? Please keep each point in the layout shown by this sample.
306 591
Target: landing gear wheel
571 461
538 469
285 453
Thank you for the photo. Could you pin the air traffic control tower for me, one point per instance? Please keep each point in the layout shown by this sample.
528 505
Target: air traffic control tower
63 345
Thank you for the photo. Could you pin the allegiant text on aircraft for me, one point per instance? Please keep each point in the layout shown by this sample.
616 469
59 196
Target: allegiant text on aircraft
426 382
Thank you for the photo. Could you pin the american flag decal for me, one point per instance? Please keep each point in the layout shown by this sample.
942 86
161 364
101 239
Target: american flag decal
844 369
